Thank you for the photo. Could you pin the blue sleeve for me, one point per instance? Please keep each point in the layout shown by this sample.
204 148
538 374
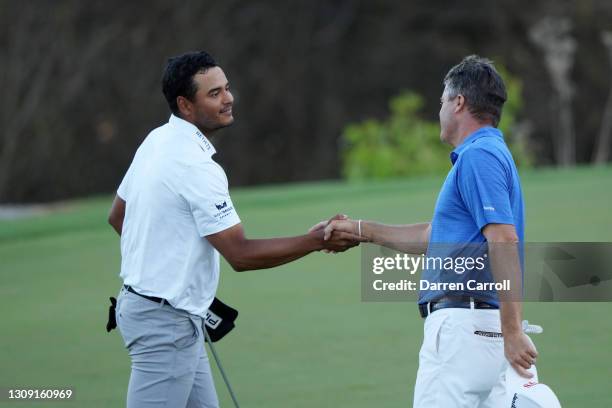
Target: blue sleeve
484 186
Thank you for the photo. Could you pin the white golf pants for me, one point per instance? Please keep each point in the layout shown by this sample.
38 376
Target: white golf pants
461 362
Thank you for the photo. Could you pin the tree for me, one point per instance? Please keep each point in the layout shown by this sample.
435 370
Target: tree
601 153
552 36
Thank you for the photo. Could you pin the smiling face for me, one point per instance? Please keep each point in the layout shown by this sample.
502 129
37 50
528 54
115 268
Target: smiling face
211 107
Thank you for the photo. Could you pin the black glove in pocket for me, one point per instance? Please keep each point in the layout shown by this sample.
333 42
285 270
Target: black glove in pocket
111 323
219 320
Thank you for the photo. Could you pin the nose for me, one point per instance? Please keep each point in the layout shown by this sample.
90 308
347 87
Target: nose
229 98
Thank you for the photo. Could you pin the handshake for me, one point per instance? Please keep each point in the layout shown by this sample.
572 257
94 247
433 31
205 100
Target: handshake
339 233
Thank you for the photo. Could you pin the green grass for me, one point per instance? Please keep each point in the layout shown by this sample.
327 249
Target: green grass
303 338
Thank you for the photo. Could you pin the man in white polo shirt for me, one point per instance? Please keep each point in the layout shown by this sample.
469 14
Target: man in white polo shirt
174 214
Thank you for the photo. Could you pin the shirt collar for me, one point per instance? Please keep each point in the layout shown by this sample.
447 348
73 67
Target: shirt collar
193 132
487 131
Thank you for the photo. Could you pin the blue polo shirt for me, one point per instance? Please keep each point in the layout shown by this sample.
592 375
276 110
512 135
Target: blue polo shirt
481 188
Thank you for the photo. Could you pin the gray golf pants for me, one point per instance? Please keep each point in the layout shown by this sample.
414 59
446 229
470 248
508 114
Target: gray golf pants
170 366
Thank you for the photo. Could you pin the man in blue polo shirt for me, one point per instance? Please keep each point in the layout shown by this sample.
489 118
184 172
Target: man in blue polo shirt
469 328
482 188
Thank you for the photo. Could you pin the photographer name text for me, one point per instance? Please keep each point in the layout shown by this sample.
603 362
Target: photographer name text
423 284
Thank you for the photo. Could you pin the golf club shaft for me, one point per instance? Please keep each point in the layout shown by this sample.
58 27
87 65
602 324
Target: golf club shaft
216 357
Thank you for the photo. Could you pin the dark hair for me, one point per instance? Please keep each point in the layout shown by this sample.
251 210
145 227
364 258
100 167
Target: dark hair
178 76
481 85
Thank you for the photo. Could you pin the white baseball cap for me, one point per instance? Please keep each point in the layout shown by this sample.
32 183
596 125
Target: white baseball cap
528 392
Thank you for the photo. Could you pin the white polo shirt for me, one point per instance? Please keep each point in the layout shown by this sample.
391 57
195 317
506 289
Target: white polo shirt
175 195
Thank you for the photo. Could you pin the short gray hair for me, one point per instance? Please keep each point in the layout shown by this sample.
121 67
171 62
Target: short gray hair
481 85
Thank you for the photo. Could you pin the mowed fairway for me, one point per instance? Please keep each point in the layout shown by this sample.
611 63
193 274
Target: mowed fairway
304 338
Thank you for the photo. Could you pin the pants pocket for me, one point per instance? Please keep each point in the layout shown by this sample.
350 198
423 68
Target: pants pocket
487 332
186 332
134 322
433 326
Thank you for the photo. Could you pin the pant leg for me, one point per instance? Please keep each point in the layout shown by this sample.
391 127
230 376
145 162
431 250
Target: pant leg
425 390
458 368
503 392
203 393
498 396
164 346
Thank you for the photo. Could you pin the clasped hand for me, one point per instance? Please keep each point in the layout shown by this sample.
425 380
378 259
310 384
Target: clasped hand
339 233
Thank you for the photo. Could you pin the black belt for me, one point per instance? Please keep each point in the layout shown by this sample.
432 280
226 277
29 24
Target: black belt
460 302
151 298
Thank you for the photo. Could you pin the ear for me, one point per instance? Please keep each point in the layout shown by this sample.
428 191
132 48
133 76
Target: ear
185 106
459 103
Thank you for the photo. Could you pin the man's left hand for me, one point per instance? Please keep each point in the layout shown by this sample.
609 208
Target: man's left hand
520 352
